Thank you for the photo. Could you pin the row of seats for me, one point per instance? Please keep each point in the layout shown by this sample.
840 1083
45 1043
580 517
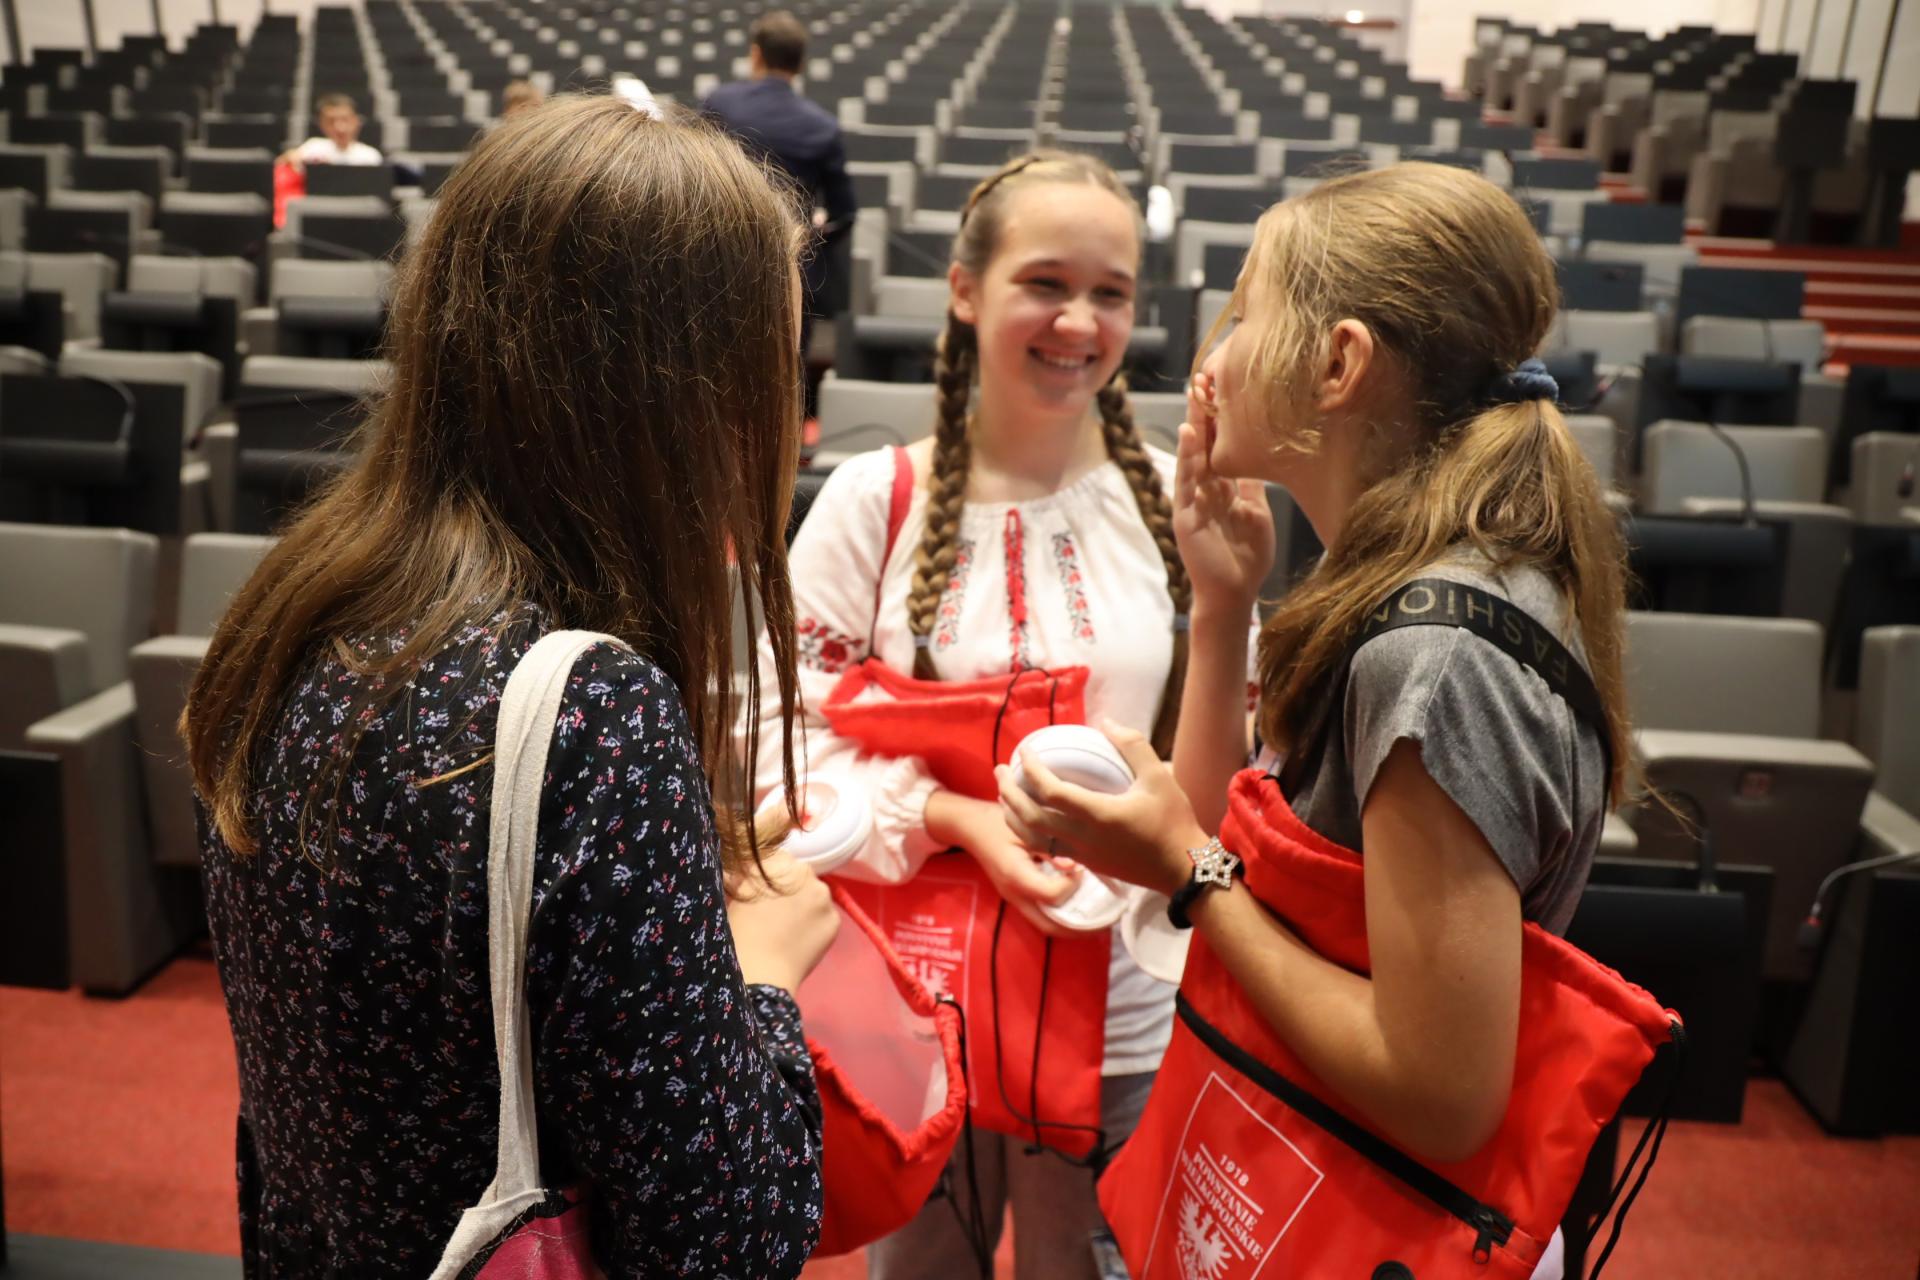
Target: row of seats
1704 118
93 684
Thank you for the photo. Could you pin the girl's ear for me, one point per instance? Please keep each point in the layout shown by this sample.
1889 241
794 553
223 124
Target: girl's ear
962 289
1350 353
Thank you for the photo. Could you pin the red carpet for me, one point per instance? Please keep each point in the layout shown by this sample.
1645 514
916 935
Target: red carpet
116 1124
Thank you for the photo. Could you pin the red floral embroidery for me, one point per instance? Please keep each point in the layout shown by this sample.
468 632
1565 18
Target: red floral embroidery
824 649
1016 544
1066 560
947 620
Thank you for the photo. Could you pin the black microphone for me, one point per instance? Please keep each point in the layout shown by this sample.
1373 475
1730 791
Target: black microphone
1746 474
1708 864
1808 935
1904 488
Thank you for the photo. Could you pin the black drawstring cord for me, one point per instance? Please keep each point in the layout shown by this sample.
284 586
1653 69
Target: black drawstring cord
1656 1130
973 1223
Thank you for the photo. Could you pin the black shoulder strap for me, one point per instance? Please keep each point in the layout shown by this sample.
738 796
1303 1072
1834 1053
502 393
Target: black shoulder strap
1441 602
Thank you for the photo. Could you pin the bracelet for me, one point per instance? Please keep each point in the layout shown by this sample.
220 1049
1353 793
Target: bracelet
1214 866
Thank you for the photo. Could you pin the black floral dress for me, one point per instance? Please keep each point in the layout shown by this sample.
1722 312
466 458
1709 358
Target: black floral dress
355 972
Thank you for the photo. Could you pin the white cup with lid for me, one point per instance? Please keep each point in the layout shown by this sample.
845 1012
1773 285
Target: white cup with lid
835 823
1083 756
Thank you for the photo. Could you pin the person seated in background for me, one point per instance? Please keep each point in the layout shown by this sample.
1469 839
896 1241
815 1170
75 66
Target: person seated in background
797 135
339 139
518 96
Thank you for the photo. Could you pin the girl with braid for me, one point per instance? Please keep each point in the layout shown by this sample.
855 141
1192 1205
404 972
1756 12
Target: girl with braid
1035 543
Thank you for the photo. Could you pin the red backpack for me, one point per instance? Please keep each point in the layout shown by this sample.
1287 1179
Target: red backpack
1245 1163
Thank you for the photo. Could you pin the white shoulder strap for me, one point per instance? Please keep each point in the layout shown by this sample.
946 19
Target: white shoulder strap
529 707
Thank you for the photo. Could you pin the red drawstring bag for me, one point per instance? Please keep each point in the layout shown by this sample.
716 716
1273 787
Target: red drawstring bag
1035 1005
289 183
887 1059
1245 1163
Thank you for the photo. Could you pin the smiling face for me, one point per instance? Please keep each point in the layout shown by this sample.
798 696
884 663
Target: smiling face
1053 307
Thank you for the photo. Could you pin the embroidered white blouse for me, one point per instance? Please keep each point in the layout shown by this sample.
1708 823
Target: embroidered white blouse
1072 578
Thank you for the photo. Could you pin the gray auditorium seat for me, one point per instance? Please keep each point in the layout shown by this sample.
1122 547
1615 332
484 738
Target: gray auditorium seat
268 374
130 838
126 914
197 376
212 567
1880 459
81 279
924 298
1192 240
1687 460
856 415
310 278
72 602
1801 342
1662 263
1616 338
1887 727
1599 440
1794 805
15 203
1701 673
1159 414
1727 710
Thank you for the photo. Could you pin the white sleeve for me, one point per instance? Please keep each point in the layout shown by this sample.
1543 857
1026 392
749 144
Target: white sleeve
836 563
315 150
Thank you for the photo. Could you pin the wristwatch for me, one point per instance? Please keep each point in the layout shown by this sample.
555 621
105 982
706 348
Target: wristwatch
1213 866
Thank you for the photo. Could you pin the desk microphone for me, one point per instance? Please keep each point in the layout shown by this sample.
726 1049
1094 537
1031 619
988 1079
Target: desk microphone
1904 488
1746 473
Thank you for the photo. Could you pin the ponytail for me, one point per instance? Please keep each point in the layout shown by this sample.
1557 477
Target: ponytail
1510 480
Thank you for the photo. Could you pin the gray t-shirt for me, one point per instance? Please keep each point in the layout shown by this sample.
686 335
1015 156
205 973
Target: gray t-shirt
1500 743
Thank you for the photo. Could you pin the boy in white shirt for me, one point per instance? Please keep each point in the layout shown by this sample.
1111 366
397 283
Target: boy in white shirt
339 140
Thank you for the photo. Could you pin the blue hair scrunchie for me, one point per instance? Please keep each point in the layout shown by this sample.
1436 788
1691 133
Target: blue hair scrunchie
1530 381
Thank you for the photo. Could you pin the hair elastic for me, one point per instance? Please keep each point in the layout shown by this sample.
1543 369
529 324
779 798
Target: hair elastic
1530 381
1181 622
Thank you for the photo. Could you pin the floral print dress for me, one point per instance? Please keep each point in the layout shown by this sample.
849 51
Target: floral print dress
355 973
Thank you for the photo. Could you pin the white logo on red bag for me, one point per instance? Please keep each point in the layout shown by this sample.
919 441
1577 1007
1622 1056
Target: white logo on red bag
931 940
1203 1247
1236 1186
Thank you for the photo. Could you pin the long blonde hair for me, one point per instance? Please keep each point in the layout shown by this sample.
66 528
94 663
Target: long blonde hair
594 400
955 364
1446 272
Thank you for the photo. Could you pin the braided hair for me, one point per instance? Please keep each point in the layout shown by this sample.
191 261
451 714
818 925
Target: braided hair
956 363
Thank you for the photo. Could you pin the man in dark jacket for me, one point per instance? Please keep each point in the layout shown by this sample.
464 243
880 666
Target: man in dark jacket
796 134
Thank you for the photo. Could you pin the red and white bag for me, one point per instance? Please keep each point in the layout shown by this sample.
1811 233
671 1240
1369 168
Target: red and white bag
893 1095
1246 1164
1035 1005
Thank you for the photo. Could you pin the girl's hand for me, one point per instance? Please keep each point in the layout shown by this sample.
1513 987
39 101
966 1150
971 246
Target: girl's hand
782 924
1224 527
1025 879
1140 836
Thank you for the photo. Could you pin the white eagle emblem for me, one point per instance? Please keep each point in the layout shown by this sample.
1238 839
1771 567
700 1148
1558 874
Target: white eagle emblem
1203 1248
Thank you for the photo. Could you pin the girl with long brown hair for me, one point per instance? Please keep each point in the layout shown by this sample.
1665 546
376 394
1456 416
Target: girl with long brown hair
1378 368
594 398
1036 535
